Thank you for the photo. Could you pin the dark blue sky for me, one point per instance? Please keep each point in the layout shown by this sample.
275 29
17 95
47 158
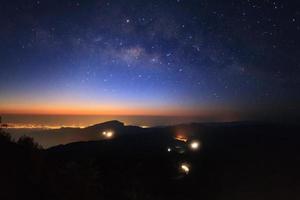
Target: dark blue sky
239 57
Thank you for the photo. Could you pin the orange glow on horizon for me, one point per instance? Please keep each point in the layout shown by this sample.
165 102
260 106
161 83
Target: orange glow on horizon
96 110
78 107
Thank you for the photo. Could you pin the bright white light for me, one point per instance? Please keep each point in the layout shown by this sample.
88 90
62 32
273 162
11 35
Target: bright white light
185 168
195 145
108 134
169 149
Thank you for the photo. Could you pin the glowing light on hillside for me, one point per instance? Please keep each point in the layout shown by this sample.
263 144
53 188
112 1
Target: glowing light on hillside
108 134
181 138
194 145
184 167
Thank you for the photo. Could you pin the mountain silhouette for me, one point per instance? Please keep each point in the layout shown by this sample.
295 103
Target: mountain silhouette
235 160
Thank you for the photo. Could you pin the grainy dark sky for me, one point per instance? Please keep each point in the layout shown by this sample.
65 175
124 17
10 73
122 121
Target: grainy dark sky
150 57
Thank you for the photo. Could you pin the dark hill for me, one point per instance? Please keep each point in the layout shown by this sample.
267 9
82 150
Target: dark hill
236 161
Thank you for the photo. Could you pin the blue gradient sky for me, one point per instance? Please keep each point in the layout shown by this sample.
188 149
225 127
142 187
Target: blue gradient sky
149 57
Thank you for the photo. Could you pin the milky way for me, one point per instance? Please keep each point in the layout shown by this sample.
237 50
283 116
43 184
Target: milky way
172 56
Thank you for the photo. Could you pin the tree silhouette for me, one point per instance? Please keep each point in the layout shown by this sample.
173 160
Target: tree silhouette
5 137
28 142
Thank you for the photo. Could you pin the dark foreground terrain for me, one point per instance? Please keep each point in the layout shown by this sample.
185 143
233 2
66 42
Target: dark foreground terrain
235 161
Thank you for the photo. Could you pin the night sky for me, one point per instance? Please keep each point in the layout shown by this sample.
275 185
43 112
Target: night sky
146 57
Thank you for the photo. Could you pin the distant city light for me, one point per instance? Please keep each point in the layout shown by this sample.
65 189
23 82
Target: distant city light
185 168
108 134
194 145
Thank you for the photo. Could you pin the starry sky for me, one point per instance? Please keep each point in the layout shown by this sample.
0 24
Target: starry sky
237 58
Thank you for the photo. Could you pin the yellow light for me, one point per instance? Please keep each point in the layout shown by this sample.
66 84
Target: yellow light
195 145
108 134
185 168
